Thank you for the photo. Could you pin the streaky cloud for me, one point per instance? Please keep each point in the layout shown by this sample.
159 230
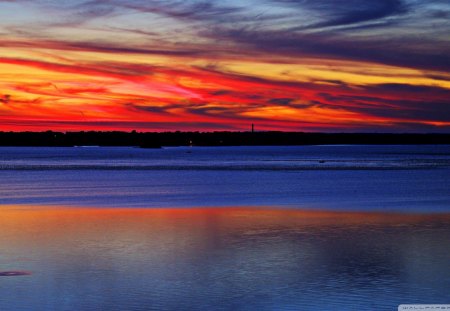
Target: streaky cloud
348 12
384 51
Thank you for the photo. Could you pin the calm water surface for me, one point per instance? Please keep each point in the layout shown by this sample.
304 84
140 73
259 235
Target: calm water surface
221 259
71 237
401 178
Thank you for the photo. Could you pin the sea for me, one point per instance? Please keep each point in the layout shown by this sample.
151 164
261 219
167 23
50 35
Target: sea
339 227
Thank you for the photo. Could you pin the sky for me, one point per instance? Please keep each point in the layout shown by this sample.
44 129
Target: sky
289 65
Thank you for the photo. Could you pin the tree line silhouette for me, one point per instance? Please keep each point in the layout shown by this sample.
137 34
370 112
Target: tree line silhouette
159 139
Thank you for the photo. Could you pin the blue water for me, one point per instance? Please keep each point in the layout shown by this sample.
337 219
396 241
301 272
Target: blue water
225 260
56 255
388 178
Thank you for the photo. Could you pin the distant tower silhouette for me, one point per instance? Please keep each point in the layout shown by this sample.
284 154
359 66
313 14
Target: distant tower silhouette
253 128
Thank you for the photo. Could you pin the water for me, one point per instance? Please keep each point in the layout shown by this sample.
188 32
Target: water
222 259
96 229
401 178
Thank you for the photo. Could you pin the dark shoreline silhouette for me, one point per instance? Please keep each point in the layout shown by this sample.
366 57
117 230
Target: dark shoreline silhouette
159 139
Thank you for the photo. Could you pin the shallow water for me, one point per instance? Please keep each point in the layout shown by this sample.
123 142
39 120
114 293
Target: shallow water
221 259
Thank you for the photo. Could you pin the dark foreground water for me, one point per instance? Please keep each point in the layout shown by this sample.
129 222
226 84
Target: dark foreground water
221 259
70 238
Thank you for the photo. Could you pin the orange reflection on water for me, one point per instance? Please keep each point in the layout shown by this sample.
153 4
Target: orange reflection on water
52 222
176 258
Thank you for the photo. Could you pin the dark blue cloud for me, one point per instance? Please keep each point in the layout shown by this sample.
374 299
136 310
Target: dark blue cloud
341 29
401 101
410 110
348 12
411 89
412 52
183 10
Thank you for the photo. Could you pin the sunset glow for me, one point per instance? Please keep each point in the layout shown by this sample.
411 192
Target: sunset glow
211 65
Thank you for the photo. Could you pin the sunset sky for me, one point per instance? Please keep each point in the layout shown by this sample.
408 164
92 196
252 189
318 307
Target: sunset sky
291 65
